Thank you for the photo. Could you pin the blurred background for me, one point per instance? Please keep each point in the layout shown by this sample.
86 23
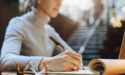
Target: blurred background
96 25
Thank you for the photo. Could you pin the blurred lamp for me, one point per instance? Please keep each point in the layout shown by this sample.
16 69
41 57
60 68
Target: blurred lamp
116 21
123 8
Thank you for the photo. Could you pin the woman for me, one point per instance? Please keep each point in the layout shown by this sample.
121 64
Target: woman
27 38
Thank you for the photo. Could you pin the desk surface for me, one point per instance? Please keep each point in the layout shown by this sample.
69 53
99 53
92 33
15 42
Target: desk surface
80 72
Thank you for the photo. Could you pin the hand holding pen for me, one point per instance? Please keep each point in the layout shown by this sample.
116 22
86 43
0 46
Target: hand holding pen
76 59
66 61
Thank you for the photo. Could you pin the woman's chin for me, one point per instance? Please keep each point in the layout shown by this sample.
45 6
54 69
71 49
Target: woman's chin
53 16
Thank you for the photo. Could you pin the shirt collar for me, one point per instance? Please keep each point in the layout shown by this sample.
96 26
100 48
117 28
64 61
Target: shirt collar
38 19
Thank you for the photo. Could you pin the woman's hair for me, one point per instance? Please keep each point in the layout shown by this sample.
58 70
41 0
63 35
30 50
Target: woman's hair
31 3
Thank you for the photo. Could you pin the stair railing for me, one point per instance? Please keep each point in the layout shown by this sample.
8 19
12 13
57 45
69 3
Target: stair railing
92 31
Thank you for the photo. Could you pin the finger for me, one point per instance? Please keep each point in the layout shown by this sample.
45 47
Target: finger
73 67
75 62
74 55
70 60
68 67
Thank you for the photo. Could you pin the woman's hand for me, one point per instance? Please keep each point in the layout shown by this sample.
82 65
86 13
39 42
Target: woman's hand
66 61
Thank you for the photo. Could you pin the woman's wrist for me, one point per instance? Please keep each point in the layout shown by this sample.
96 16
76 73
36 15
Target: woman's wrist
46 60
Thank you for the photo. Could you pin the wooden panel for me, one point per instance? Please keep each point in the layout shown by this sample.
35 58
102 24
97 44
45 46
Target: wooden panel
63 26
8 10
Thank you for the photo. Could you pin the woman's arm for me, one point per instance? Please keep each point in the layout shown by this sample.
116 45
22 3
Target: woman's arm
11 48
66 60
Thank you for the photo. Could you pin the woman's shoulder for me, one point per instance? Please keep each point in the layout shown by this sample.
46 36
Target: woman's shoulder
14 19
15 25
16 22
19 19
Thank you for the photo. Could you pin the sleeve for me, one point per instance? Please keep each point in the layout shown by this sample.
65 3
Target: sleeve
14 36
56 36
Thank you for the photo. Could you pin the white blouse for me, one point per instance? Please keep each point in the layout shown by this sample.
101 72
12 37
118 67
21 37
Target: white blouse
27 38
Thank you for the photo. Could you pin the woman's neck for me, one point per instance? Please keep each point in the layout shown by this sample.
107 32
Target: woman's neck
42 13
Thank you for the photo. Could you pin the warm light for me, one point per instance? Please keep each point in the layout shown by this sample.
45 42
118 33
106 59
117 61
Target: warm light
116 22
115 19
123 9
119 25
117 49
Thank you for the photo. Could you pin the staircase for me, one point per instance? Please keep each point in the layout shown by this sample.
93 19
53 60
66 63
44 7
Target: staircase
79 35
92 48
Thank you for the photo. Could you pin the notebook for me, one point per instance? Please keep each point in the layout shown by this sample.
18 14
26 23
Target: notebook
102 66
122 51
110 66
99 66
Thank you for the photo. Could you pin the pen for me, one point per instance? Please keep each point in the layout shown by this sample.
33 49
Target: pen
57 43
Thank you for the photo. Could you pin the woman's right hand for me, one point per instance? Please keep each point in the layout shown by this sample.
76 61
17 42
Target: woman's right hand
66 61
